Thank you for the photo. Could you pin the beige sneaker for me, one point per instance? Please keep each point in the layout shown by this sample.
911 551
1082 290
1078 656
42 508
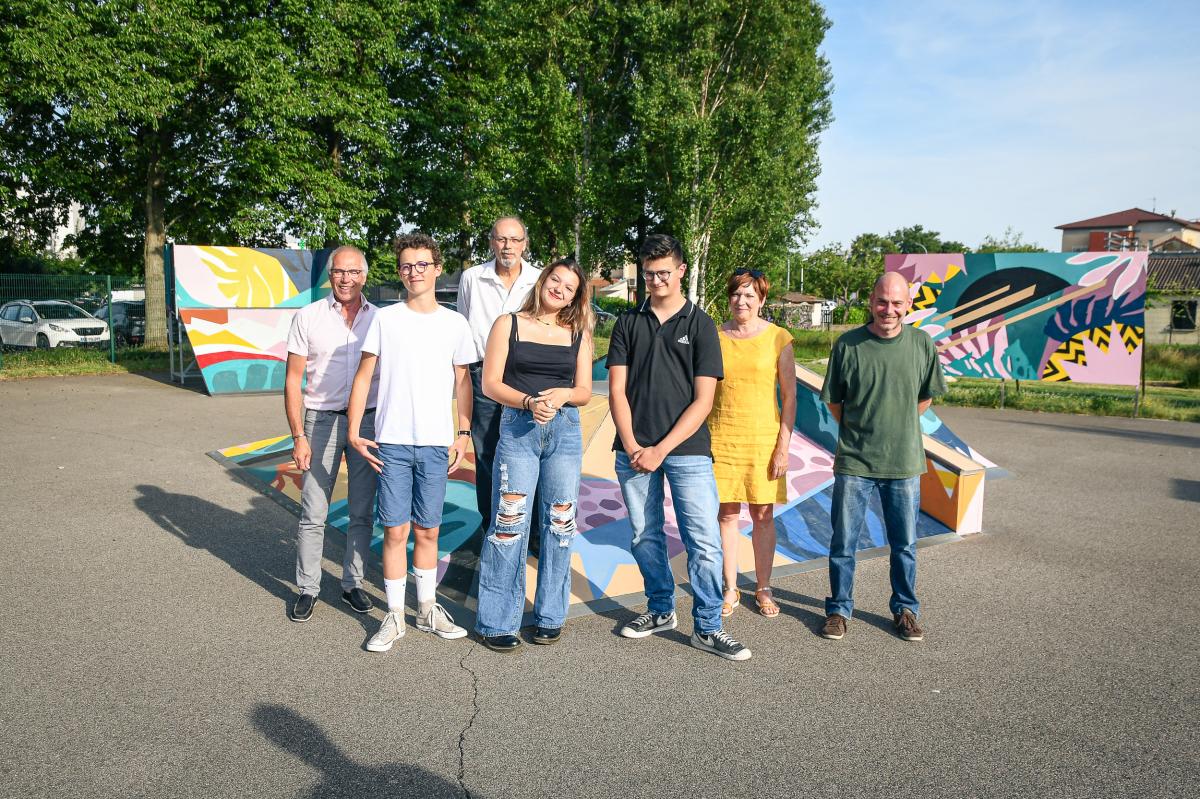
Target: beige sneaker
391 630
439 622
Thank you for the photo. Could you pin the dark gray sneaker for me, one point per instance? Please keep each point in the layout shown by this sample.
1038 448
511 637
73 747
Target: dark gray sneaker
906 626
721 644
303 609
649 623
357 599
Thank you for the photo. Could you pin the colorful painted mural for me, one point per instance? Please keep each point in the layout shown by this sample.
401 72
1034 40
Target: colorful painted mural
604 574
236 305
1032 316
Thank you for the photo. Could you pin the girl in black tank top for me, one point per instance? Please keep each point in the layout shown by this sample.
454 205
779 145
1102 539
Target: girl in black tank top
533 367
539 455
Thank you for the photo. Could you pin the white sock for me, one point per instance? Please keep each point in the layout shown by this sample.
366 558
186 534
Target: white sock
395 593
426 586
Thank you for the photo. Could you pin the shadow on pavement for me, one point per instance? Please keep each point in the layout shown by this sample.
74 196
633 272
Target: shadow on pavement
1187 490
341 776
252 543
798 607
1143 436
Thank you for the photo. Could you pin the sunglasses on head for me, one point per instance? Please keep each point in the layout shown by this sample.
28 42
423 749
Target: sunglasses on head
754 273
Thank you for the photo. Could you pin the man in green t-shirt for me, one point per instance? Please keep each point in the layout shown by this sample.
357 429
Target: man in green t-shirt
882 377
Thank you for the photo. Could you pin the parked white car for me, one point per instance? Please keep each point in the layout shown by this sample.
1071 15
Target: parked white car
46 324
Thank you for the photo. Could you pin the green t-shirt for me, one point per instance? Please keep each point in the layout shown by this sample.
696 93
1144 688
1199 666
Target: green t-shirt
879 382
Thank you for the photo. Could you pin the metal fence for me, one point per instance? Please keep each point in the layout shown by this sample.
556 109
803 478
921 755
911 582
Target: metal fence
101 317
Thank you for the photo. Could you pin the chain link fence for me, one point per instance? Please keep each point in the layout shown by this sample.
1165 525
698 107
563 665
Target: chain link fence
59 319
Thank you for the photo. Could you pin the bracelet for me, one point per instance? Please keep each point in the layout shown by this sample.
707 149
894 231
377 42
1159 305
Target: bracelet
525 402
299 435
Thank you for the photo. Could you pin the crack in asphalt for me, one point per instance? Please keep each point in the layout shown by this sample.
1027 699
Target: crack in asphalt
462 736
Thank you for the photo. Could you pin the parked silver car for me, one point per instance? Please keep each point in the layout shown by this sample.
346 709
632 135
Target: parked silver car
46 324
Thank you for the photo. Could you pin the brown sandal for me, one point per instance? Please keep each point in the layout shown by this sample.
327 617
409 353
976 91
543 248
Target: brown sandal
766 605
727 608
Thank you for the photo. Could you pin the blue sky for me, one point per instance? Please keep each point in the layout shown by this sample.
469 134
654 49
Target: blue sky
970 117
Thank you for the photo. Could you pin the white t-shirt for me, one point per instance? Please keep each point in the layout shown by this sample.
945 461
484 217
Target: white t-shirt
417 355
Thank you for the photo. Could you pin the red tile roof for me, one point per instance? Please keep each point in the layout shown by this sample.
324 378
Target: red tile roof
1122 219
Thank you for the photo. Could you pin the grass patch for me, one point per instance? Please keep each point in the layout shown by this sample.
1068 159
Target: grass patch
1181 405
80 361
811 345
1174 364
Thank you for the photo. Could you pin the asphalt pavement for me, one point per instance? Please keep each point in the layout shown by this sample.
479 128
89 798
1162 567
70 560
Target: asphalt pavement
147 650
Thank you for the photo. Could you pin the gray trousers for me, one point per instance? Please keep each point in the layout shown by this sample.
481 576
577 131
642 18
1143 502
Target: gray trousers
327 436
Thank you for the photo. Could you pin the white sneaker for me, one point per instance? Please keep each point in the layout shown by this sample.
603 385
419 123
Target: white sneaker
391 629
440 623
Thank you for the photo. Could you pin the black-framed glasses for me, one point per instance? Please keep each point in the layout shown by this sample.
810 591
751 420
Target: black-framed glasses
754 273
345 272
419 267
662 276
502 240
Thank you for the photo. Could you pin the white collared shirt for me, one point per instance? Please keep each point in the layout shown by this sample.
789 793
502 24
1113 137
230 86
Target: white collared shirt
332 350
483 299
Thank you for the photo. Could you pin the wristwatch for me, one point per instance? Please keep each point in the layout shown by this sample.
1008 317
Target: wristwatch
464 432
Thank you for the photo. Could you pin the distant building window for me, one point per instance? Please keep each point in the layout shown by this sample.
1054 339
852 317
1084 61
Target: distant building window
1183 314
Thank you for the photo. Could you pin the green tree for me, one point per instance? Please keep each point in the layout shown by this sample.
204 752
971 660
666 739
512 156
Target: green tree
868 250
1010 241
916 239
729 99
834 273
233 122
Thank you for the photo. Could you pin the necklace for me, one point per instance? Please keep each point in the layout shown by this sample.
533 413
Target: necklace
540 320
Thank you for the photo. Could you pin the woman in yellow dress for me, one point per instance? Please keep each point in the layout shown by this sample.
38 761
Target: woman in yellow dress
751 432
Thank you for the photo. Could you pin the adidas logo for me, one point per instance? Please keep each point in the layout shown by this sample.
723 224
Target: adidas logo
683 340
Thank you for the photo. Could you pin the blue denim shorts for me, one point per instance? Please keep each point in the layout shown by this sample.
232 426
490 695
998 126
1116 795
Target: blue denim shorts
412 486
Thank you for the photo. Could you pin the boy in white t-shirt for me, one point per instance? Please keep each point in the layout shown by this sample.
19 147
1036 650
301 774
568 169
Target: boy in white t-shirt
421 351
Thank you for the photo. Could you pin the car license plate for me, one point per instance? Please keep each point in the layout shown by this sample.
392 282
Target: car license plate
89 339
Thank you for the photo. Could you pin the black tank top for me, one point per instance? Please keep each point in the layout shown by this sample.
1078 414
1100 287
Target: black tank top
532 367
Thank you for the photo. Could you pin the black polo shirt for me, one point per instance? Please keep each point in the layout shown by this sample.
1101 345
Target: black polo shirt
662 362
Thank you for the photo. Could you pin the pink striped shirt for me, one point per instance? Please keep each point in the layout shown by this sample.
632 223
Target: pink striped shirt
332 350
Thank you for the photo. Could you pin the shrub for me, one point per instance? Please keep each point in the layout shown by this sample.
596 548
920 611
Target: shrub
614 305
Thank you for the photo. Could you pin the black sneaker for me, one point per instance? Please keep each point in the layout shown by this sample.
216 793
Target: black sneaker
303 609
649 623
721 644
357 599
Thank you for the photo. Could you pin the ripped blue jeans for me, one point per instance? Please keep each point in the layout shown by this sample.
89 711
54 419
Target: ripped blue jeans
530 456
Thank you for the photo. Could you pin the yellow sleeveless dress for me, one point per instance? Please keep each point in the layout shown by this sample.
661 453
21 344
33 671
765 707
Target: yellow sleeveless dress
744 422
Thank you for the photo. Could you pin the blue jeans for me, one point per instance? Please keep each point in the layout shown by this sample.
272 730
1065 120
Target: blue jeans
901 501
694 494
533 461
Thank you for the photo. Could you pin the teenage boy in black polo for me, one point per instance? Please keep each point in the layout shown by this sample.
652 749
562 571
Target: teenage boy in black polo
664 362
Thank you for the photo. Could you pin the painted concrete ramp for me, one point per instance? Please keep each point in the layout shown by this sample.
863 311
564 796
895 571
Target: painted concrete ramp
604 574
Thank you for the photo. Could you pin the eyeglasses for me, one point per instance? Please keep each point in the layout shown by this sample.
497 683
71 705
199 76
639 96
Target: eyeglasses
419 267
662 276
345 272
754 273
502 240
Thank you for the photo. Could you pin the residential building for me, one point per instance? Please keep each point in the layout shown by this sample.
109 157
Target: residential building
1132 229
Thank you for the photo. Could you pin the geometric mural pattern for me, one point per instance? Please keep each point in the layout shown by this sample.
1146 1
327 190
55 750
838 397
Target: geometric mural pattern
1031 316
237 304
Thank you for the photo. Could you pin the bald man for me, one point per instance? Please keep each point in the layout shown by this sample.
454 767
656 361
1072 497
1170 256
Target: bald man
882 377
